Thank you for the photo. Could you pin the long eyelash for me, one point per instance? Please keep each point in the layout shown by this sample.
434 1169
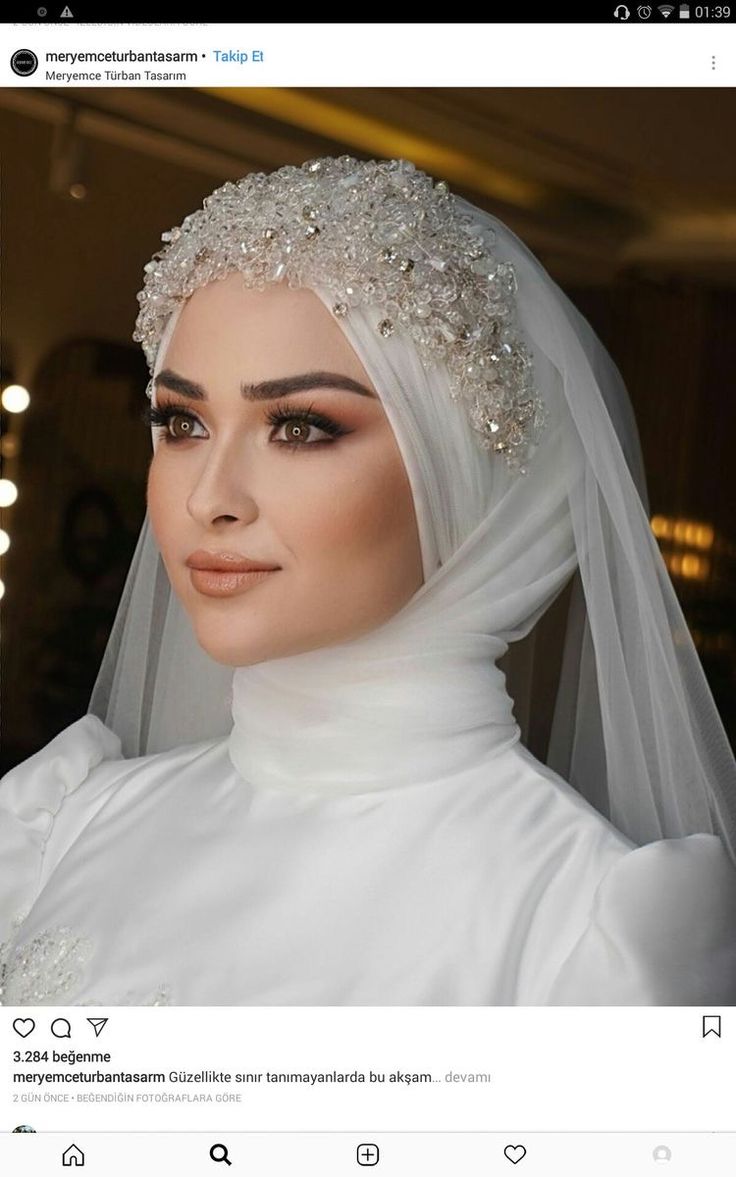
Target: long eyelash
158 416
148 415
285 412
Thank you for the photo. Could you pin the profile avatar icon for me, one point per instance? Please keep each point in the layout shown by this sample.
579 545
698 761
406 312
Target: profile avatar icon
24 1128
23 62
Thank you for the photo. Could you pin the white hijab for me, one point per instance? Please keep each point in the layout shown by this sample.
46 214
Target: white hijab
635 727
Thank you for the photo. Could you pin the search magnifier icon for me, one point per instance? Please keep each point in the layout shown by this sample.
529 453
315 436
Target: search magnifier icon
218 1152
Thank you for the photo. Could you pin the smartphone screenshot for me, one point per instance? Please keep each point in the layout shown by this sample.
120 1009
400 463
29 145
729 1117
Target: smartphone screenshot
367 594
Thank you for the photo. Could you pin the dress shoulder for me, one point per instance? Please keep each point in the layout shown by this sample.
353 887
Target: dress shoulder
661 931
32 796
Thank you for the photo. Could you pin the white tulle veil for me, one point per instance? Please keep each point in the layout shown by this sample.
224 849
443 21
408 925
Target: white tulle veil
634 726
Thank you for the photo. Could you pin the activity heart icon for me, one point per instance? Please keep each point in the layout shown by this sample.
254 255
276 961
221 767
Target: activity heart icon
514 1153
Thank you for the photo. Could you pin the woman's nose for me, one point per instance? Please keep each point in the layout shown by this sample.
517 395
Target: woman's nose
222 488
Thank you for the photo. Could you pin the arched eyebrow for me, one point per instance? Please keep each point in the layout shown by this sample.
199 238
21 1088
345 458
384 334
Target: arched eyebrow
267 389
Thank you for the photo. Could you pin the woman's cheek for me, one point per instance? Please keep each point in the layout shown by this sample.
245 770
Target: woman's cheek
164 509
370 513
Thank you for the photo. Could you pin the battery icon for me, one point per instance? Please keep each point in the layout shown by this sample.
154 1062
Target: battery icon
684 12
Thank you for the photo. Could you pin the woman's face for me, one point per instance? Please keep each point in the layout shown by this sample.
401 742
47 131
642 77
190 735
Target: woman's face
276 448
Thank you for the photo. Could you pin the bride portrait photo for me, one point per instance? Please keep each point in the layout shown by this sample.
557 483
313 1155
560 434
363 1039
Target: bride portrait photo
398 704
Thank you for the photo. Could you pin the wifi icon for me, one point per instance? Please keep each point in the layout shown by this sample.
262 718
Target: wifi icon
666 9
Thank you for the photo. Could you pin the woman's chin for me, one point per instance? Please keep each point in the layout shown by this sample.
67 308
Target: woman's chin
241 649
229 655
226 644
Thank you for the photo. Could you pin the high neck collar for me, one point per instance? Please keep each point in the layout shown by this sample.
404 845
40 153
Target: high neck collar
371 715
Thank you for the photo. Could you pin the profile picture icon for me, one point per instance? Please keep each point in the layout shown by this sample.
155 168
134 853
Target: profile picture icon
24 62
24 1128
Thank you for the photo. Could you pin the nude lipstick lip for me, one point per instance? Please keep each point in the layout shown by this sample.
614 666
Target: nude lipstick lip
227 562
225 574
226 584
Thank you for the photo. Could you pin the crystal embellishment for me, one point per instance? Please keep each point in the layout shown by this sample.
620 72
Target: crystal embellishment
45 971
51 967
380 234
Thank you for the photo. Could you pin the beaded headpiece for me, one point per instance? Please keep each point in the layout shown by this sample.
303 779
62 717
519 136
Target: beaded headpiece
381 234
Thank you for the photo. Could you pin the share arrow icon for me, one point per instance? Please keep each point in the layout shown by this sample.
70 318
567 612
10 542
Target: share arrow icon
97 1024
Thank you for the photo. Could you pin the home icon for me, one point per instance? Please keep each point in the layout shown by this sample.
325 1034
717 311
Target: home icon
72 1156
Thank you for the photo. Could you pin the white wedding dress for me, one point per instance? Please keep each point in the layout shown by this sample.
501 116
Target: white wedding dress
461 872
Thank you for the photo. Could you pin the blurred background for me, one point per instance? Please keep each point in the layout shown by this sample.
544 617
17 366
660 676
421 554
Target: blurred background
627 196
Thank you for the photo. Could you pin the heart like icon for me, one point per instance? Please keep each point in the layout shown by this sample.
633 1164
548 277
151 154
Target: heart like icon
514 1153
24 1026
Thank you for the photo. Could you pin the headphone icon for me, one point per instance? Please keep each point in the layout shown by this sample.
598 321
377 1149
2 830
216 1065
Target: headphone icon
621 8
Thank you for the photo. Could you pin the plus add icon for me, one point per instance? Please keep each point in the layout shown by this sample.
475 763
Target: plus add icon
367 1154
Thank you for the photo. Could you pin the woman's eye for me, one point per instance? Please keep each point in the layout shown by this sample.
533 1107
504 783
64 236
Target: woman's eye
296 431
180 426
